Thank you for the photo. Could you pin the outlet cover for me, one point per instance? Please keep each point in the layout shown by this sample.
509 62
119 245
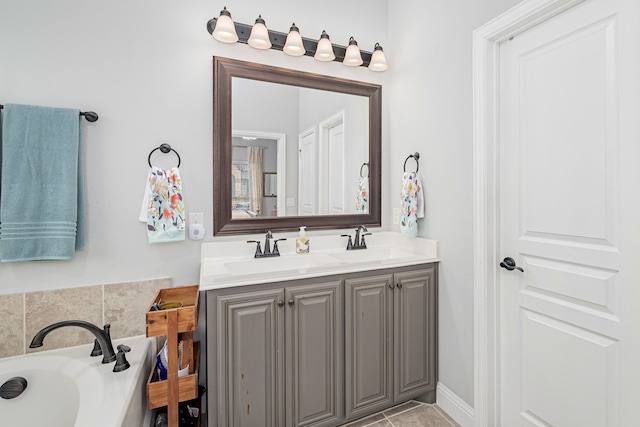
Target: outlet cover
396 216
196 218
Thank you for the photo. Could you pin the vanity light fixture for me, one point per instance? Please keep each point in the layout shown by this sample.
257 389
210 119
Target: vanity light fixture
324 51
225 29
294 45
378 60
259 37
352 57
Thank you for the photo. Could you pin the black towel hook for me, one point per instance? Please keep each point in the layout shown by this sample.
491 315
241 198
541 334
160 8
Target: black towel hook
363 165
165 148
416 156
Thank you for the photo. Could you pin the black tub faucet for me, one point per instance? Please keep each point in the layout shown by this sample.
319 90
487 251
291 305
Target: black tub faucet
108 355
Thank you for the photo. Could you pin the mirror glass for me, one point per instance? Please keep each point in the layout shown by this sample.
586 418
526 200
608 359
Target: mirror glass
292 148
270 184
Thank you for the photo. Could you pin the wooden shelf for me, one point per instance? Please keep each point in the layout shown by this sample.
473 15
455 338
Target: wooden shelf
187 314
157 391
172 323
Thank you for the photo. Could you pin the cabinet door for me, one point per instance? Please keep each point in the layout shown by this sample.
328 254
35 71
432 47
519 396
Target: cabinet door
314 375
250 359
368 339
414 333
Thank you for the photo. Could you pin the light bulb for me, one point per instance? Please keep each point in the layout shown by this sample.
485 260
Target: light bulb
259 37
352 56
324 51
378 60
225 30
294 45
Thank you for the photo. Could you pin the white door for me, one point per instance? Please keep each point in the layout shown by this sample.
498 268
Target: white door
569 213
307 176
336 173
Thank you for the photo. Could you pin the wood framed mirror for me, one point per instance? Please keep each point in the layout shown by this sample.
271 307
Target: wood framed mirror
317 187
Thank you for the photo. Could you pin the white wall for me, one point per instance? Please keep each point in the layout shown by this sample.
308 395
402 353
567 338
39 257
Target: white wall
431 112
145 67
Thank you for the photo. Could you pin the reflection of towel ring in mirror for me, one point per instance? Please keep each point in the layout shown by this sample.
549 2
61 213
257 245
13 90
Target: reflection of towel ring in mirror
416 156
363 165
165 148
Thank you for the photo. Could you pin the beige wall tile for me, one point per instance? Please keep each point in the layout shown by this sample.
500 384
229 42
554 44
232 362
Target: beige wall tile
126 304
12 331
47 307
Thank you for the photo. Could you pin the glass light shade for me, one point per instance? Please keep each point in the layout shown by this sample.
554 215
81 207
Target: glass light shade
259 37
352 56
294 46
225 30
378 60
324 51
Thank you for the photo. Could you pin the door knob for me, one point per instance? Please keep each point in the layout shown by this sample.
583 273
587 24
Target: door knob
280 303
510 264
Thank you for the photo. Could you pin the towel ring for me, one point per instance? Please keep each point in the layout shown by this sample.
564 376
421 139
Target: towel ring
165 148
363 165
416 156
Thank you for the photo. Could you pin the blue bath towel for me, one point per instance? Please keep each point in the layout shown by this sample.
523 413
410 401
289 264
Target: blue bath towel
41 185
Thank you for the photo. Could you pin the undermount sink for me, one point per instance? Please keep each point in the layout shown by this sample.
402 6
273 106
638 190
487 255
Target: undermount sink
377 255
276 264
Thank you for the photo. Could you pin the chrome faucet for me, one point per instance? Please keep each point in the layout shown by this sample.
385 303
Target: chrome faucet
358 241
108 355
268 251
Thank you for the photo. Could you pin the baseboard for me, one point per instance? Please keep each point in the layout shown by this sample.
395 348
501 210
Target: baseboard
457 408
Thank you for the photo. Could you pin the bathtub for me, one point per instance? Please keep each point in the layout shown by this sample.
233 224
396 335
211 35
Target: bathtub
67 387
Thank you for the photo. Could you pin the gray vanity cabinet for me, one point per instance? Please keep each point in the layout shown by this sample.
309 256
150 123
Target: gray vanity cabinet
390 339
279 356
250 358
368 344
320 352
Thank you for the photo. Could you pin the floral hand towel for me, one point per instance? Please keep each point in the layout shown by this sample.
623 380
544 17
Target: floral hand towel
163 206
411 204
362 200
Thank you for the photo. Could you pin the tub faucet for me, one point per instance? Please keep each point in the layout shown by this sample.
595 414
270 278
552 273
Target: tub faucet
108 355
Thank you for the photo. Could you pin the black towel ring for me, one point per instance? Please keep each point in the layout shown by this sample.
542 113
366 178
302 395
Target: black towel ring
416 156
165 148
363 165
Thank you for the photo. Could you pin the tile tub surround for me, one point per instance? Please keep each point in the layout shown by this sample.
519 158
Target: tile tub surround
123 305
409 414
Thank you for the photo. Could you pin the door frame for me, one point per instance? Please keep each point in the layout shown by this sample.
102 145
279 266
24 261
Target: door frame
281 165
486 235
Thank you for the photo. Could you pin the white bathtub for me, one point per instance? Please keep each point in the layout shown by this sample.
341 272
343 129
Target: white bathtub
67 387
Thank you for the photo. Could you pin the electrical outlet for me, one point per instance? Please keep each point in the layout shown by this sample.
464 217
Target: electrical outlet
396 216
196 218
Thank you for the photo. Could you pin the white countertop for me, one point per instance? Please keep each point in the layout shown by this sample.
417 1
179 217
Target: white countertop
227 263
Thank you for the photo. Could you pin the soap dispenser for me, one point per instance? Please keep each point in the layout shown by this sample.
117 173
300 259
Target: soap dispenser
302 243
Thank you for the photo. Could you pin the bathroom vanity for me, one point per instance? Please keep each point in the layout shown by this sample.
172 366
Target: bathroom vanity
319 339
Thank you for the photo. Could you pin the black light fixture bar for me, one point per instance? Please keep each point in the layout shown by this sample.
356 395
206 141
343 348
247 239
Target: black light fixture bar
279 39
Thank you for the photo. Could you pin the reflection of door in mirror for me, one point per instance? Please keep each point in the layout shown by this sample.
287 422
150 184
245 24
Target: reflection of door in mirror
307 175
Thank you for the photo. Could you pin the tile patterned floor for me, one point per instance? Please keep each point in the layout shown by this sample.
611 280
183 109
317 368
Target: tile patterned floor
409 414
